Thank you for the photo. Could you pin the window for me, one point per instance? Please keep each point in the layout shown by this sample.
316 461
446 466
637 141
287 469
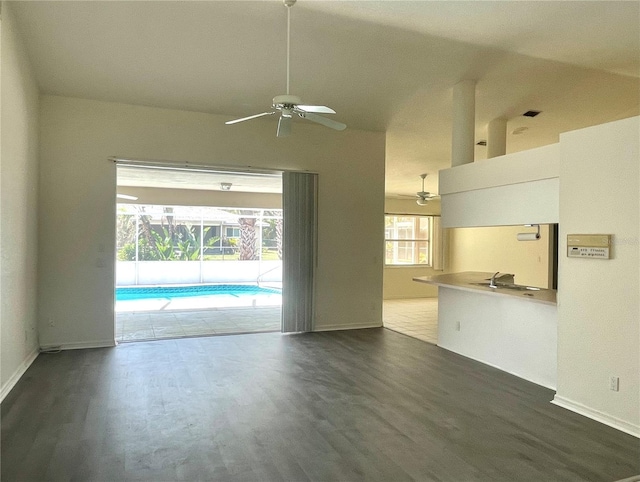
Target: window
233 232
407 240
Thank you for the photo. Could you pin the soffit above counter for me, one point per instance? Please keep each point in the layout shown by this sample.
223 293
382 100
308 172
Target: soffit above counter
519 167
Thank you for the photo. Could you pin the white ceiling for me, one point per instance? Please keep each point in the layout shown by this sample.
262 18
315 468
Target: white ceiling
382 65
205 180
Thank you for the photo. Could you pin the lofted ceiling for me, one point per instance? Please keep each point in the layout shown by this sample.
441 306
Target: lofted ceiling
382 65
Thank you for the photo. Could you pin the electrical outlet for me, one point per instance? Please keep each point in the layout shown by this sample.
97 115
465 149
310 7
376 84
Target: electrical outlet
457 326
52 322
614 383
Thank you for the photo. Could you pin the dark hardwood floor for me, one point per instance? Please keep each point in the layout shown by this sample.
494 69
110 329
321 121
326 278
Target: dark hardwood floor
342 406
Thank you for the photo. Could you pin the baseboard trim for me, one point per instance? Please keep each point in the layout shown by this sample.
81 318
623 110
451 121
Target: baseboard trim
17 375
540 383
354 326
79 345
635 478
597 415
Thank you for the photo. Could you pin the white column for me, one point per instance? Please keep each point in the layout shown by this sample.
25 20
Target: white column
201 247
497 138
137 246
464 117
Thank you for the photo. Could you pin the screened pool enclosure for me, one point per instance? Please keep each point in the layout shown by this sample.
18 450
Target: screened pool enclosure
158 245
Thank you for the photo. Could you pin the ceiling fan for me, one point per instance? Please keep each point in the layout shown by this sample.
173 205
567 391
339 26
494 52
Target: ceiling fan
423 197
290 105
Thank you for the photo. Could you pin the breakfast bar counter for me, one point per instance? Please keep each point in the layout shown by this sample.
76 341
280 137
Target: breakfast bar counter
511 327
479 281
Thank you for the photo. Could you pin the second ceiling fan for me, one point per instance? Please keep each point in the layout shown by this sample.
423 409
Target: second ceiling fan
290 105
423 197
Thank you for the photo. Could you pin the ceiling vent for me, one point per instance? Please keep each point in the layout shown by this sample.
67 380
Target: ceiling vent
531 113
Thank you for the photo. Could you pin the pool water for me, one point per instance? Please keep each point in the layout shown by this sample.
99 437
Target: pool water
189 291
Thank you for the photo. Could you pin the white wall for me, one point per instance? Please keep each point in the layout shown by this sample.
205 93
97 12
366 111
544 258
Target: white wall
599 317
514 168
77 204
497 248
18 206
398 280
518 188
534 202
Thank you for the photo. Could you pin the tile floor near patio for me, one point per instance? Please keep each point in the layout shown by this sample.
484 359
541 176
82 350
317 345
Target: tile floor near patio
415 317
154 325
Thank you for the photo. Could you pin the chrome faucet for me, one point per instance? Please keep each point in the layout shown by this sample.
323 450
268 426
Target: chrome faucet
502 278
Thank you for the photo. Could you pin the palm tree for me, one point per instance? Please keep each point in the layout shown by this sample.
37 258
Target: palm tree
248 239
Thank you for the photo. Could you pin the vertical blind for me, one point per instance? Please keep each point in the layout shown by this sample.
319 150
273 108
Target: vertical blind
300 215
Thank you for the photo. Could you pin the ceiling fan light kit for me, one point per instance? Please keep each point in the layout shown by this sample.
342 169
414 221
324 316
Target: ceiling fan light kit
423 197
291 105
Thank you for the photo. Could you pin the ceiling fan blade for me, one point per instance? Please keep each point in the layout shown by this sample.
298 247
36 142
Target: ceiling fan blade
284 126
339 126
400 196
235 121
426 195
318 109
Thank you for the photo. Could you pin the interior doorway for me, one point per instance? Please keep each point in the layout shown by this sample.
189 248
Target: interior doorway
413 248
198 252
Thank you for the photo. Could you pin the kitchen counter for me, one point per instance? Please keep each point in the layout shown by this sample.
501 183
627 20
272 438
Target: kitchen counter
513 329
468 280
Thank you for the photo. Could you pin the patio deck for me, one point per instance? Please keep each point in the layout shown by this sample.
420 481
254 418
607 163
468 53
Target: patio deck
160 318
155 325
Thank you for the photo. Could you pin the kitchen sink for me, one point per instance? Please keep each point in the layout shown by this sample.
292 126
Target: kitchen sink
506 286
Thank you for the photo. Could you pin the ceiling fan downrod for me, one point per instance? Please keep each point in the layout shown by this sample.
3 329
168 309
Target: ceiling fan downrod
288 4
289 105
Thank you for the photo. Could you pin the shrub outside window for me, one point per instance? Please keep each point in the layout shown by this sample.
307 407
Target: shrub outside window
407 240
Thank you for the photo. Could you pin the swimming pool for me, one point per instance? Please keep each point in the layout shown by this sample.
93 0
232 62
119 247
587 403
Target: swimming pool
195 297
134 293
